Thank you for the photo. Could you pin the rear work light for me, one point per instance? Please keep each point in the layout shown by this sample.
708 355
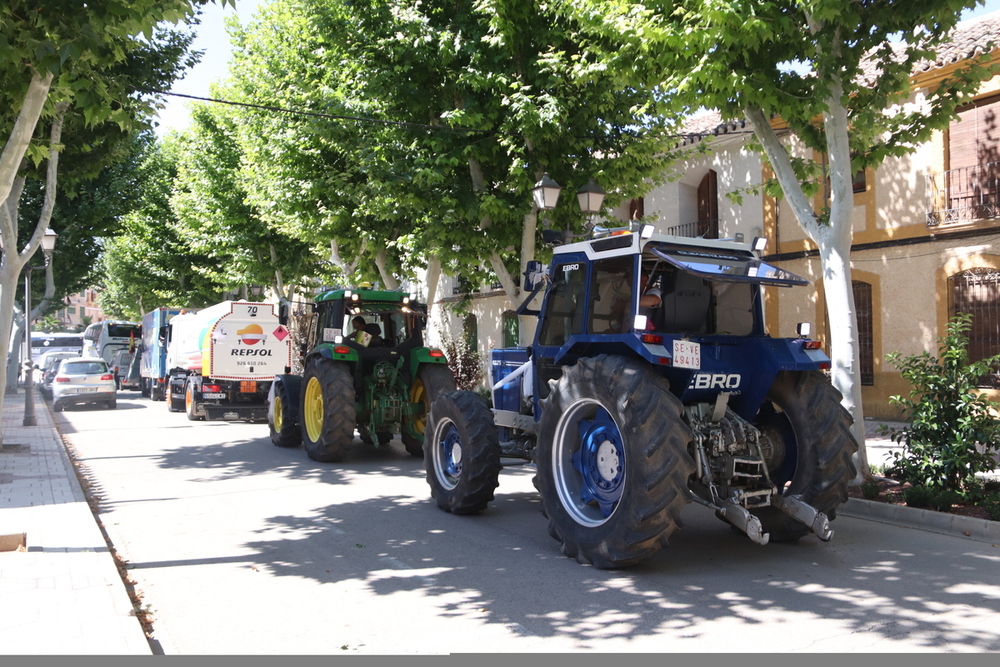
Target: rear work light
107 376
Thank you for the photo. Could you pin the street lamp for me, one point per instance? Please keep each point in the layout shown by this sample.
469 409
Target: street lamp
590 197
256 290
546 193
48 245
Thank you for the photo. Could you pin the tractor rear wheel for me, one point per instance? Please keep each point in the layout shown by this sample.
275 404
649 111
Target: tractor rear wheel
282 420
462 453
432 381
807 446
328 410
613 461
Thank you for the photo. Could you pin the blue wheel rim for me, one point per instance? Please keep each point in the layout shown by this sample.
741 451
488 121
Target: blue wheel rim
588 458
447 454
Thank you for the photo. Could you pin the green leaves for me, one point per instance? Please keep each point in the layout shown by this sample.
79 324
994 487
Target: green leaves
953 432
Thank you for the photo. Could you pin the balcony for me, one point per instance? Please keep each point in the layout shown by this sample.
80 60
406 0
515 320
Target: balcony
963 195
703 229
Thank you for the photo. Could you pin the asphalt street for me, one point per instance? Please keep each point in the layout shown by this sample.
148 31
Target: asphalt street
239 547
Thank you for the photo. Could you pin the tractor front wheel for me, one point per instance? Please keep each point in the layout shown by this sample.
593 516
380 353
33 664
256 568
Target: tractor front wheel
282 418
462 453
432 381
328 410
613 461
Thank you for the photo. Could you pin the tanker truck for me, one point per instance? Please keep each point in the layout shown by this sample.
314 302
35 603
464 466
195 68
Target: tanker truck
223 359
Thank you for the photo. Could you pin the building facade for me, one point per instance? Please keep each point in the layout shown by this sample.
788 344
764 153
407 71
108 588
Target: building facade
926 235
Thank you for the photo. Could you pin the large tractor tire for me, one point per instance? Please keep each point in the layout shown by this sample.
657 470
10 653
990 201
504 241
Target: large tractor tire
328 410
283 417
807 446
191 403
613 461
432 381
462 453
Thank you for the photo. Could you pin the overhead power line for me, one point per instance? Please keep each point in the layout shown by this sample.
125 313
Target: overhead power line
319 114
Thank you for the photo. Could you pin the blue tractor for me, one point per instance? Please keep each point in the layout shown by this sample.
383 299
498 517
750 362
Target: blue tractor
651 383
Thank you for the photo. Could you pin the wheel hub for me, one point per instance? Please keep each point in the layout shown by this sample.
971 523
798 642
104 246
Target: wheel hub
599 461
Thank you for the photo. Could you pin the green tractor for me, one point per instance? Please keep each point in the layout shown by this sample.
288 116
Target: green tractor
365 367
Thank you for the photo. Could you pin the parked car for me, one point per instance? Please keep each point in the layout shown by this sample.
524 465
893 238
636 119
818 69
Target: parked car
46 369
84 380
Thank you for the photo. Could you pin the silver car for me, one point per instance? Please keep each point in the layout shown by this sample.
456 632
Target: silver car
45 370
84 380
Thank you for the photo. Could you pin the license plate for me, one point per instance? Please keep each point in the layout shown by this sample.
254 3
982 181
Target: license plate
687 354
248 386
213 395
88 390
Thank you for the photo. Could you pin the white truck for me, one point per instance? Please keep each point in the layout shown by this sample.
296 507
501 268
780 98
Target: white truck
222 360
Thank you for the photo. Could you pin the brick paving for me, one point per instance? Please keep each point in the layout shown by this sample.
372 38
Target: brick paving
62 594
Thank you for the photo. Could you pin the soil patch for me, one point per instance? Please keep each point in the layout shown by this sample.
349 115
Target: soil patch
891 492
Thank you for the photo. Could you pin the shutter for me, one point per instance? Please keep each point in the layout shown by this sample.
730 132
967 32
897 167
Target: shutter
866 339
708 206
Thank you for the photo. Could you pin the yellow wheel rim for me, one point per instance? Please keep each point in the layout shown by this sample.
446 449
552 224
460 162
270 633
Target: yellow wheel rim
418 394
313 408
277 413
187 399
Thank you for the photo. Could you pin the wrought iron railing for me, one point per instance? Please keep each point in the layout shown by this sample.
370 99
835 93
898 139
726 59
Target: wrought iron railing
963 195
699 229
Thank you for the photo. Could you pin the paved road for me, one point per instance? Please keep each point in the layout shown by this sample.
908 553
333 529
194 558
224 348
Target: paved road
243 548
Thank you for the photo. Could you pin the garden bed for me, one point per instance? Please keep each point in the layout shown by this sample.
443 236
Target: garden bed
891 492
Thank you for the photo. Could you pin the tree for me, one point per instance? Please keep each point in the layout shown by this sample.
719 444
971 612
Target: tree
216 217
836 73
464 106
149 264
62 58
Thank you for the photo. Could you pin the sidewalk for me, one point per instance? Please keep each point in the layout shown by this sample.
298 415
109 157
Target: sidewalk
62 594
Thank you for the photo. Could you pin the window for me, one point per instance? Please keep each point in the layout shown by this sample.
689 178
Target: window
511 329
470 331
859 182
866 340
564 304
611 295
977 292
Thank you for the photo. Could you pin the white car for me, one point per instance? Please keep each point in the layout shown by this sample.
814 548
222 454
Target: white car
84 380
46 369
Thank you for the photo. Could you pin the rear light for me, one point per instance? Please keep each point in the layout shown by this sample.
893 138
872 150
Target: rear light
811 345
652 339
107 376
211 388
824 365
664 361
342 349
437 354
62 379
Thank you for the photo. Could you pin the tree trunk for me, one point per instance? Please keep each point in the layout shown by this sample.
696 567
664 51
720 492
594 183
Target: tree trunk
20 136
382 262
433 275
834 243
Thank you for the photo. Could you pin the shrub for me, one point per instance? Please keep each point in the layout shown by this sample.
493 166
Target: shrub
870 489
951 434
917 496
992 506
465 362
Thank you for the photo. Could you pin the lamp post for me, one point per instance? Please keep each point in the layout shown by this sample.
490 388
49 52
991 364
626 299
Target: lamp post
48 245
546 195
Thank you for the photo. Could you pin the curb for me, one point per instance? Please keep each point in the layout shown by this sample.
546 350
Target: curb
982 530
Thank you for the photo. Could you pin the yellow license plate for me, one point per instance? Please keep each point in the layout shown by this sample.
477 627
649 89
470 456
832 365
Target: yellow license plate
248 386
